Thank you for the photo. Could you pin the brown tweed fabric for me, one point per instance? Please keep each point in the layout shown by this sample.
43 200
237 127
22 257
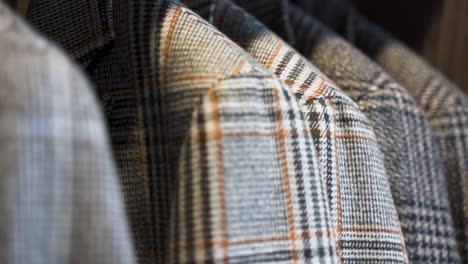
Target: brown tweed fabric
365 220
444 103
412 158
60 199
217 161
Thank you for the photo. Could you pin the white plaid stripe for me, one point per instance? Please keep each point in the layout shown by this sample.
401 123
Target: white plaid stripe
412 158
341 144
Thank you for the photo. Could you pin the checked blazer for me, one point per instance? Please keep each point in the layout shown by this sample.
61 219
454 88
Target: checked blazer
444 104
60 196
412 157
364 218
217 161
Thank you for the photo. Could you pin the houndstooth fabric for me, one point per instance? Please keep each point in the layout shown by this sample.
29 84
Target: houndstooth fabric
60 199
217 161
444 103
365 221
412 159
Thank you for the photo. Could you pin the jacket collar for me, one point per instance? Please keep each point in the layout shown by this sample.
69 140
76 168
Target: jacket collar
273 13
81 27
339 15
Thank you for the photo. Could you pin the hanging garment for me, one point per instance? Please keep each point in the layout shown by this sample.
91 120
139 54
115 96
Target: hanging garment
60 199
364 218
444 103
413 161
216 158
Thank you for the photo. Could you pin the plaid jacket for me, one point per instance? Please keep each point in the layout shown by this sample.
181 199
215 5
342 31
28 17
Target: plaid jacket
217 161
444 103
413 161
60 199
361 203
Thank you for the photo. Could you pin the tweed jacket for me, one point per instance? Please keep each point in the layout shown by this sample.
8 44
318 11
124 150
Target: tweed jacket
444 104
216 159
60 197
412 161
361 203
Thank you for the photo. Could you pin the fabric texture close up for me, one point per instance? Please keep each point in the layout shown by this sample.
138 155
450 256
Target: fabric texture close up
361 205
60 196
216 158
444 104
412 159
224 131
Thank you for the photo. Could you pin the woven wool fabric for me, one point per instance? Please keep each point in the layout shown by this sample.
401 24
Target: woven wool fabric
364 217
60 199
216 158
444 103
412 159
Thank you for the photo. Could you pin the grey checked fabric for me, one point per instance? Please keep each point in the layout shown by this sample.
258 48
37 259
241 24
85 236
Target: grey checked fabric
444 103
364 218
60 198
412 158
217 161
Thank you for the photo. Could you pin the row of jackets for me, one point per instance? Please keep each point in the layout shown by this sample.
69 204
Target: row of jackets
224 131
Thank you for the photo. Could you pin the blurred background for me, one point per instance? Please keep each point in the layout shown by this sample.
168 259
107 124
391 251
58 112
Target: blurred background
437 29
